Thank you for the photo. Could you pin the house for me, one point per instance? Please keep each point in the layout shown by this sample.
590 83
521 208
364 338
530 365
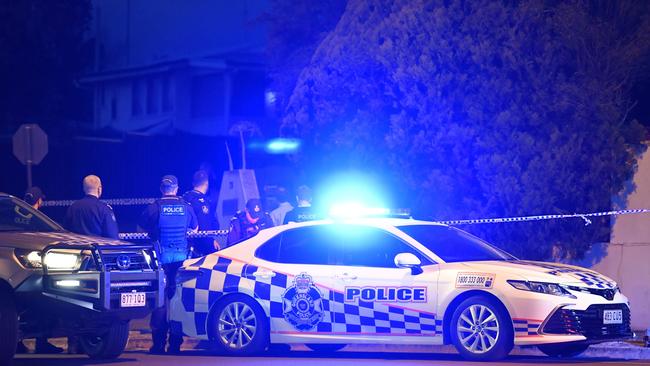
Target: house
166 65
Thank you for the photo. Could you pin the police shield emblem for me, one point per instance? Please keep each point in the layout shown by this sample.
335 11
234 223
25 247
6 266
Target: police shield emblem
302 303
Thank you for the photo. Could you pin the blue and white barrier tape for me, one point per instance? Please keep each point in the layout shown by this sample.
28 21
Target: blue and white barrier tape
585 217
110 201
197 234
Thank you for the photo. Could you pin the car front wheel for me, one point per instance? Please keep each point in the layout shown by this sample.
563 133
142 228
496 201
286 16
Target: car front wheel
481 329
239 326
8 327
106 345
563 350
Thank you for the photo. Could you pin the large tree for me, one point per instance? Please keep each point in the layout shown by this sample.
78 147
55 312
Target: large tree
482 108
43 52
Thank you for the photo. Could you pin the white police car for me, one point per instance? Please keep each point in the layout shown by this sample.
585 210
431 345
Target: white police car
399 281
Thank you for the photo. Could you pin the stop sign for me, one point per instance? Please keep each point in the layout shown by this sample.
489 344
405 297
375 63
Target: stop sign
30 144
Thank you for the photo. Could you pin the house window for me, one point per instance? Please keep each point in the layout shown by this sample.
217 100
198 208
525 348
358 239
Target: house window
167 96
207 96
136 97
153 97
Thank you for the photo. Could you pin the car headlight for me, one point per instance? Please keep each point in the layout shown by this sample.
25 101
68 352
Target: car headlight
541 287
61 261
29 259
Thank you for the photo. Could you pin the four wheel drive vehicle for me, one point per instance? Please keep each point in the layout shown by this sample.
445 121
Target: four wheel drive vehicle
54 283
395 281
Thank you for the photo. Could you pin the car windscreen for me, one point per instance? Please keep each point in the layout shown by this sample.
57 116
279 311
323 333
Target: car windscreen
453 245
18 216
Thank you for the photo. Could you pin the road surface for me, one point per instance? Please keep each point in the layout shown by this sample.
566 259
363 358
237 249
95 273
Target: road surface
307 358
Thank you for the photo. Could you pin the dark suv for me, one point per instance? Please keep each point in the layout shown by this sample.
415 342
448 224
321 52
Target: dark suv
54 283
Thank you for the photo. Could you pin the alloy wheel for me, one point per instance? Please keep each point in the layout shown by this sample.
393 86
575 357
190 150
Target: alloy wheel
237 325
478 328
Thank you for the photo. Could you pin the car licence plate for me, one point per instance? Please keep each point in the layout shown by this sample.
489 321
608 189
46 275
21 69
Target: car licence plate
612 316
133 299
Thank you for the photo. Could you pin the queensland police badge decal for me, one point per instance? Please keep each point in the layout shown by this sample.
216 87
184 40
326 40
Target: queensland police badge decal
302 303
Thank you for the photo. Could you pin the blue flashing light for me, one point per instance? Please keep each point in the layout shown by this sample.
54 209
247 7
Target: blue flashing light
282 146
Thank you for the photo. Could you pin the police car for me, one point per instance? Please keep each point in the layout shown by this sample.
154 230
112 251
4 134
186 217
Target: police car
330 283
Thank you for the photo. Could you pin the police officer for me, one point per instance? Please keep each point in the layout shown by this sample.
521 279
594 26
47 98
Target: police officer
201 204
89 215
248 222
167 221
304 210
34 197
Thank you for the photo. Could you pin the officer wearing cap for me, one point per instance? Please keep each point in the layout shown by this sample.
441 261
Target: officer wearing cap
167 220
248 222
89 215
201 204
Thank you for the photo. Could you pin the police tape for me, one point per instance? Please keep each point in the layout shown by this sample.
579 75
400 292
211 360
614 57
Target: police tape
110 201
584 216
191 234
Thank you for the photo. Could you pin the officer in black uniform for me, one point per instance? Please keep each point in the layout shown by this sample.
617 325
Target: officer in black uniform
249 222
89 215
304 211
167 221
201 204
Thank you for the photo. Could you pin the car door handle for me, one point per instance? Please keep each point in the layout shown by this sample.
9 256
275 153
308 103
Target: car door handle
264 274
346 277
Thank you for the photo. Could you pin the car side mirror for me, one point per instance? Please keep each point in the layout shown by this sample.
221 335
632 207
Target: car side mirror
409 260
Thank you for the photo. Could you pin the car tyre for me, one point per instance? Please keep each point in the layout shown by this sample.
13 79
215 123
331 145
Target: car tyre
8 328
239 326
325 347
107 345
563 350
481 329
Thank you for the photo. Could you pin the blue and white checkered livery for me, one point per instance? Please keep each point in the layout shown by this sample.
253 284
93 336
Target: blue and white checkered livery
330 283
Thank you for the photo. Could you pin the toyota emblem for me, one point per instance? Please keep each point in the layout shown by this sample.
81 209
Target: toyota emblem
123 262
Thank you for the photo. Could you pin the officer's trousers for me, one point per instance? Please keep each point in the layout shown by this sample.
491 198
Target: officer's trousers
159 324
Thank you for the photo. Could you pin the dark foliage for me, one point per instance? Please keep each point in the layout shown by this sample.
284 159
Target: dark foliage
482 109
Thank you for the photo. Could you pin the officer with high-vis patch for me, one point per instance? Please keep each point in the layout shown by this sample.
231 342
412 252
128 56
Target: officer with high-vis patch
167 221
248 222
200 202
89 215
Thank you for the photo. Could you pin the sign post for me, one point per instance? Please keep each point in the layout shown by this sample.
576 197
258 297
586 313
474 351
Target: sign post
30 147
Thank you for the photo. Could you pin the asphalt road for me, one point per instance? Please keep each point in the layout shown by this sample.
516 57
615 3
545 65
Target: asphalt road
306 358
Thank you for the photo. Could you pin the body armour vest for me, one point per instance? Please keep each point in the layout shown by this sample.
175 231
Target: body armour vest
172 224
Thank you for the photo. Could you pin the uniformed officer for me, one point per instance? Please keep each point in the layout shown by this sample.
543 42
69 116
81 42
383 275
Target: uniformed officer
89 215
34 196
248 222
304 210
167 221
201 204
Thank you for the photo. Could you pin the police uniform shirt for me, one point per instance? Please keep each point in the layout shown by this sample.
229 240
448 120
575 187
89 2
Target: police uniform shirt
90 216
149 219
241 228
300 214
201 205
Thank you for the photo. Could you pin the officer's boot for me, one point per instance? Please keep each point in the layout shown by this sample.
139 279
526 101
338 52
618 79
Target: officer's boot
158 325
159 338
175 342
